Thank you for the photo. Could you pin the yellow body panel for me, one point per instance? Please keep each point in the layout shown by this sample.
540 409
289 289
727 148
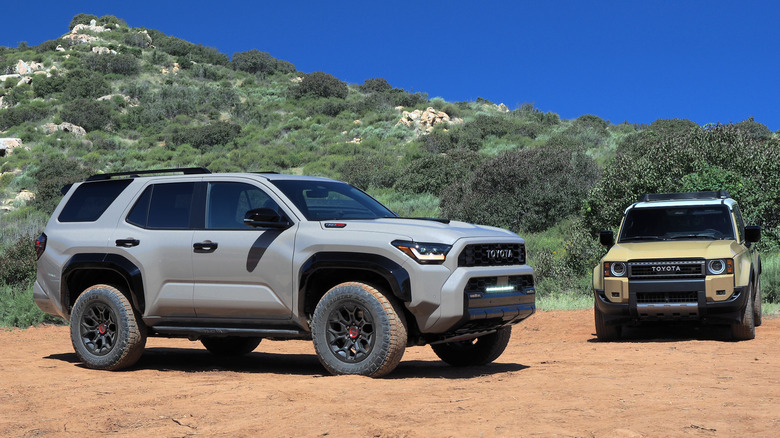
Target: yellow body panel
718 287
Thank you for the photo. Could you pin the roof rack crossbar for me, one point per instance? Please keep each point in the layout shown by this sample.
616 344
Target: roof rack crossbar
135 173
719 194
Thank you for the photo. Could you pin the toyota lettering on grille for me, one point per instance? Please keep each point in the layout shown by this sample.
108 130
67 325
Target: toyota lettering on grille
499 254
667 268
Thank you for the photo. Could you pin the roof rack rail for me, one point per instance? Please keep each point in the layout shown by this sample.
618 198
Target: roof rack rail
719 194
136 173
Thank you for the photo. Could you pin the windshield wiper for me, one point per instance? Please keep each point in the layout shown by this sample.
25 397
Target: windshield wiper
624 239
694 236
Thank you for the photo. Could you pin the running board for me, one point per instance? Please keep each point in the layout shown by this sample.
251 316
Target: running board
195 333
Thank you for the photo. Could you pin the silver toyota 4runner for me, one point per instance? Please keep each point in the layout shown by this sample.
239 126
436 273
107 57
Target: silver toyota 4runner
230 259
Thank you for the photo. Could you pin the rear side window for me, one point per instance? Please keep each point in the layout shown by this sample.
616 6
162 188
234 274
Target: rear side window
164 206
91 200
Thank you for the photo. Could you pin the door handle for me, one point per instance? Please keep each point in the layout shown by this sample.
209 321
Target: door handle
127 243
205 247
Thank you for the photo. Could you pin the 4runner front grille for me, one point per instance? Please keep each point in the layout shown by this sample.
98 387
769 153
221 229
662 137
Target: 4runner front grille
662 269
514 283
492 254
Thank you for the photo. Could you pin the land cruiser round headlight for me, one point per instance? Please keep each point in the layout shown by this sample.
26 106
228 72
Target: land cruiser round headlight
617 269
716 267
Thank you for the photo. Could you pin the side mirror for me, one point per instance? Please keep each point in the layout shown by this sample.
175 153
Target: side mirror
753 233
607 238
266 218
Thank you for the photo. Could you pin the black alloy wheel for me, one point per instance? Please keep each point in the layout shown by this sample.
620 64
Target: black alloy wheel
350 332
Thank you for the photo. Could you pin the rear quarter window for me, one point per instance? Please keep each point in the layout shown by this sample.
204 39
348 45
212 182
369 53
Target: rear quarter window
91 200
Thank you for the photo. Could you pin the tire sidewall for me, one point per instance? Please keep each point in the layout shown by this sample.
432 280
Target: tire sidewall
126 342
376 362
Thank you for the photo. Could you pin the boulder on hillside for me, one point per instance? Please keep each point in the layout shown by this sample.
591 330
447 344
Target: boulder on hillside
103 50
22 68
7 145
13 75
425 120
51 128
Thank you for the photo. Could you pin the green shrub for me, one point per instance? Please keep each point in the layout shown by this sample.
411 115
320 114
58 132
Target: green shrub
44 86
29 112
432 173
110 20
255 61
81 19
84 83
200 137
589 121
320 84
18 262
18 309
19 94
179 47
122 64
770 278
529 190
89 114
375 85
48 46
369 171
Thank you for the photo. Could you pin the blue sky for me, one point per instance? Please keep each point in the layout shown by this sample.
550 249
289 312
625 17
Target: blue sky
635 61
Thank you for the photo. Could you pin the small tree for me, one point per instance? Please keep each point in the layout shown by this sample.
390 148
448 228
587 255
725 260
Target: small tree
320 84
255 61
375 85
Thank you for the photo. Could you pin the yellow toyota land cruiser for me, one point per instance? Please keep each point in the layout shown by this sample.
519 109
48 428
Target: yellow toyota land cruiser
679 257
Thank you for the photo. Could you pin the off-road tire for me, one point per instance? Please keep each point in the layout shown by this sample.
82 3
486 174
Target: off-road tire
358 330
230 345
474 352
605 332
757 319
105 331
745 330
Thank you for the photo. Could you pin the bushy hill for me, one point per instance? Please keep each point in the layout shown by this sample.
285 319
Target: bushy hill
106 97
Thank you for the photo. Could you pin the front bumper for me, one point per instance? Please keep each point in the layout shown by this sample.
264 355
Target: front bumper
677 301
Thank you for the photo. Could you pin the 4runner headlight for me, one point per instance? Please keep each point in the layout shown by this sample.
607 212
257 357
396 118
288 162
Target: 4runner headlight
423 253
614 269
720 266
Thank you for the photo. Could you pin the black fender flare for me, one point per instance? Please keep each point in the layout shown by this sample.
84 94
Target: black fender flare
395 275
109 262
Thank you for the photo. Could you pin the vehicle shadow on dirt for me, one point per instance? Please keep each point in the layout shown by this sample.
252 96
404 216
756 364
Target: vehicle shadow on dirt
673 333
195 361
440 370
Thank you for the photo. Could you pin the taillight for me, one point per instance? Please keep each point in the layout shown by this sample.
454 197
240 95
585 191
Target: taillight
40 245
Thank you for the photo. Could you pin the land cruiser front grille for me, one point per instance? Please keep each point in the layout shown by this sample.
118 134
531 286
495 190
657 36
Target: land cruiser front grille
666 269
666 297
492 254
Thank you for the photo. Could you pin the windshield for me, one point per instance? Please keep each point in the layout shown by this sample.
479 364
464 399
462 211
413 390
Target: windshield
328 200
677 223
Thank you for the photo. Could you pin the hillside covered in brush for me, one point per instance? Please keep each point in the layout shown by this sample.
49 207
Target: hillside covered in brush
105 97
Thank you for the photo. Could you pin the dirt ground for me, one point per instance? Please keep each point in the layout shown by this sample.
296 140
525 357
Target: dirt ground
554 380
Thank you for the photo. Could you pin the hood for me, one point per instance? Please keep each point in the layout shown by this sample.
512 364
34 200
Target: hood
707 249
420 230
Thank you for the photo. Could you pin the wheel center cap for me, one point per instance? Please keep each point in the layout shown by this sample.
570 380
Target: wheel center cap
102 329
354 332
